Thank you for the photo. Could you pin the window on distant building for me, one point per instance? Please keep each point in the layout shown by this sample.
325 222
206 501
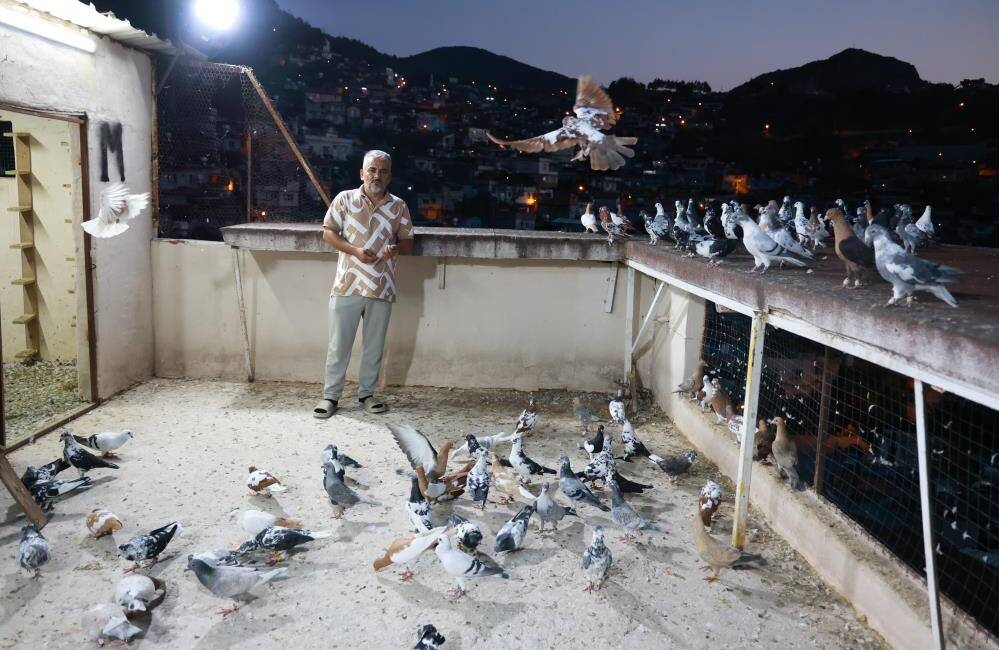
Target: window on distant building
6 149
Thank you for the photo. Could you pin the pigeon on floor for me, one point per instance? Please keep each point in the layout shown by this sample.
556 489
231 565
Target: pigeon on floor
513 533
709 500
418 508
583 414
148 546
675 465
624 515
220 557
593 113
633 446
486 443
462 566
785 453
522 463
331 452
118 206
107 621
46 472
594 444
479 479
420 452
101 522
406 550
573 488
528 417
907 273
262 482
33 550
717 554
136 592
339 494
616 407
597 561
45 492
599 465
84 461
513 486
548 509
105 442
428 638
254 521
278 539
232 582
467 533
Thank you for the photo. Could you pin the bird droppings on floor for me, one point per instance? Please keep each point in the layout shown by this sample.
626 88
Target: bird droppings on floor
195 440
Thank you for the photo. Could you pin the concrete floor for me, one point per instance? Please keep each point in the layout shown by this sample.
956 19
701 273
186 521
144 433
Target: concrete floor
195 439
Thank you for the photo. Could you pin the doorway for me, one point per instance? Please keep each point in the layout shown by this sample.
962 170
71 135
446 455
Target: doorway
46 316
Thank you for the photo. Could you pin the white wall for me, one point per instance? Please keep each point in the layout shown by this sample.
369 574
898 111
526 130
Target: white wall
496 323
114 84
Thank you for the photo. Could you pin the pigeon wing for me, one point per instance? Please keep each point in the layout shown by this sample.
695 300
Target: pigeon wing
416 446
552 141
592 101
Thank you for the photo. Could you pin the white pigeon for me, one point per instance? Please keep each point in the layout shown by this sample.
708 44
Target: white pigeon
589 220
925 222
594 113
709 391
254 521
117 207
107 621
777 232
462 566
106 441
801 224
765 251
616 407
135 592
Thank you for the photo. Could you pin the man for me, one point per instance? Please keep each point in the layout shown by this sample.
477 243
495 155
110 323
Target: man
369 227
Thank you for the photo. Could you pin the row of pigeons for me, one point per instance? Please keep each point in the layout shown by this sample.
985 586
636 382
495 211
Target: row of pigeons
785 235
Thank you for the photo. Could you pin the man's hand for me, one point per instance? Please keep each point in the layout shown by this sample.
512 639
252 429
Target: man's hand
364 255
391 251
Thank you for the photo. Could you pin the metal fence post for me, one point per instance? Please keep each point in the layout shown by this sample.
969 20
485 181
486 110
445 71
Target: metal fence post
750 409
927 510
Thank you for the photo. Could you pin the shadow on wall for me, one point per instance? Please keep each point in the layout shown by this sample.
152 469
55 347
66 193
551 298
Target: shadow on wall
412 276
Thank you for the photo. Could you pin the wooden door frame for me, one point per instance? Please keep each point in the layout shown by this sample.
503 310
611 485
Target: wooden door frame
81 120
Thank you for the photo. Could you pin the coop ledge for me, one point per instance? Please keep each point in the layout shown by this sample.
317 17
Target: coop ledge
960 344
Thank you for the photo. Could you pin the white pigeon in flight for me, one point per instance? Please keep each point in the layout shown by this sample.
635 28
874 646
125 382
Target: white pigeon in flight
117 208
593 114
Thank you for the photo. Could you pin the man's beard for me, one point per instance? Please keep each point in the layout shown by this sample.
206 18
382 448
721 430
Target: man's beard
375 187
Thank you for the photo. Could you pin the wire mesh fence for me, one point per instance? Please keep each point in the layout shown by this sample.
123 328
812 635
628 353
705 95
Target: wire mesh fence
854 426
223 159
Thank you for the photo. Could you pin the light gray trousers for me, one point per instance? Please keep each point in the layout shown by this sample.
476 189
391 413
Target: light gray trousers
345 314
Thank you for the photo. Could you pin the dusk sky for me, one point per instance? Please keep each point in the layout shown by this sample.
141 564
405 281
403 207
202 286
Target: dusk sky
722 42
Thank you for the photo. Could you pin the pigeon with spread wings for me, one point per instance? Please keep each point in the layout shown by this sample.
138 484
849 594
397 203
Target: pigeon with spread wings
593 114
117 208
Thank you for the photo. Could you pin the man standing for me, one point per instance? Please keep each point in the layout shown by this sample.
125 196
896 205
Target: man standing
369 227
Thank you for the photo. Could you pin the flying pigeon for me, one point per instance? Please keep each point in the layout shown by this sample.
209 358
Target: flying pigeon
116 209
785 453
33 550
260 480
462 566
597 561
254 521
616 407
588 219
232 582
594 113
428 638
479 479
511 536
278 539
101 522
339 494
421 453
709 500
136 593
548 509
765 251
418 508
106 441
624 515
405 550
573 488
907 273
522 463
716 554
855 254
148 546
583 413
80 458
467 533
107 621
330 452
675 465
528 417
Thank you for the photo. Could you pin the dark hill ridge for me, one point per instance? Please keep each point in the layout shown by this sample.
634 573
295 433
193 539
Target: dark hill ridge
850 70
473 63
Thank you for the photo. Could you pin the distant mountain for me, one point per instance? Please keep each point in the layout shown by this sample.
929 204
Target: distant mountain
475 63
851 70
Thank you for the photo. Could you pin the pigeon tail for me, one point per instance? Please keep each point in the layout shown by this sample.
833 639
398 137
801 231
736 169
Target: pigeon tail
794 261
99 228
749 560
941 292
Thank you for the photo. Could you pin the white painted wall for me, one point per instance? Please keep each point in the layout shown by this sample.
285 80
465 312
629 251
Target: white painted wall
509 324
113 84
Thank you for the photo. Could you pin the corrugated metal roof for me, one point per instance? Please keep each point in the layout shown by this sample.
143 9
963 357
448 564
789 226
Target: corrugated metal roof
87 17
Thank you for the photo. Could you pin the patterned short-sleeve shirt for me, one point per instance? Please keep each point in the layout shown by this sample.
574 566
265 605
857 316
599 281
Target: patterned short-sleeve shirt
363 223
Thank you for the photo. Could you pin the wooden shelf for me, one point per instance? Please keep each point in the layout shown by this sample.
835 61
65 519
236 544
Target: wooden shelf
17 134
23 282
23 246
24 319
20 208
18 172
29 353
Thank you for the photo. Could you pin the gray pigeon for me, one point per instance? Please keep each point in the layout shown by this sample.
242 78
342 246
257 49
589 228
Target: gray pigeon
907 273
597 561
676 464
340 495
573 488
461 566
479 479
331 452
624 515
233 582
658 227
512 534
762 247
33 551
549 510
583 413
